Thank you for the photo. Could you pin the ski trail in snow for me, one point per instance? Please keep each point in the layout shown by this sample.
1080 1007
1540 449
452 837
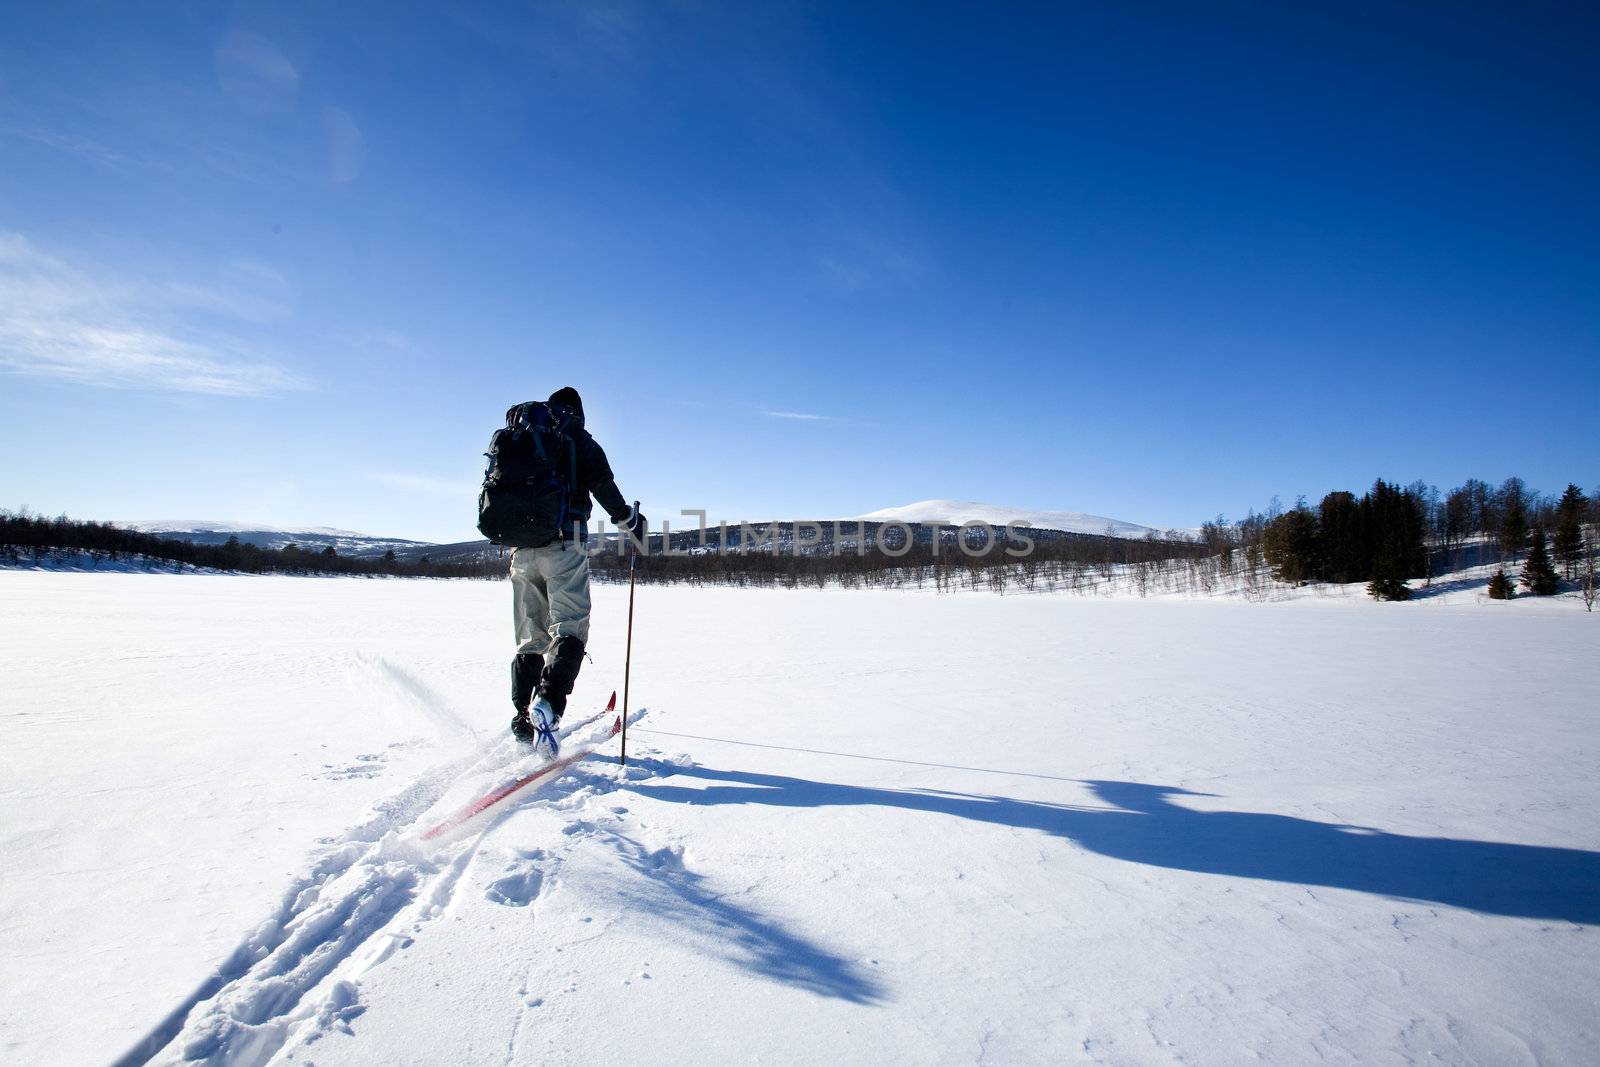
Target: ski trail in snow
336 857
374 881
251 1017
428 700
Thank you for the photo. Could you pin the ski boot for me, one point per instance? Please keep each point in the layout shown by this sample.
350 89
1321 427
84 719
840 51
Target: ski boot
543 718
525 671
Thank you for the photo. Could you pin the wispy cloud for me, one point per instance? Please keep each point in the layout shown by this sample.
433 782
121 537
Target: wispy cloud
347 148
58 320
85 147
255 73
804 416
856 257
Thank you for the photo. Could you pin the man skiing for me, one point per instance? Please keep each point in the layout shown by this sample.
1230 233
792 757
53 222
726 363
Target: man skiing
550 584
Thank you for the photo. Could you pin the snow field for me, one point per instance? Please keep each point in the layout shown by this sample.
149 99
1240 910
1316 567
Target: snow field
865 826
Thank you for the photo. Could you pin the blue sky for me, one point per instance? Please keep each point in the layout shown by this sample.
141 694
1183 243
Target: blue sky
291 263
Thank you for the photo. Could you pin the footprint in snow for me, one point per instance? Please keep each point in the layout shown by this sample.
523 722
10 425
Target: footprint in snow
518 889
667 858
367 765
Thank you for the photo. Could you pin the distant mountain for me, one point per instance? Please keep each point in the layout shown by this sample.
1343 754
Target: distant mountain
956 512
209 532
924 516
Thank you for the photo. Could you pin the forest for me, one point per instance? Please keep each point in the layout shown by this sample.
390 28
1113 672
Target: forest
1391 535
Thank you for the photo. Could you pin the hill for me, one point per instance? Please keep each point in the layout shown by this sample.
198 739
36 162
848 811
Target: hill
957 512
212 532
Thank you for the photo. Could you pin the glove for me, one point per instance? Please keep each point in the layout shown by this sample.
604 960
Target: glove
633 523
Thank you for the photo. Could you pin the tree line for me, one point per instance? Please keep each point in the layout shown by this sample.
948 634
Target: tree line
874 555
35 539
1388 537
1392 534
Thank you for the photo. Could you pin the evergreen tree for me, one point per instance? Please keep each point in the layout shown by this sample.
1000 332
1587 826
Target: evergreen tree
1342 530
1500 587
1538 576
1391 518
1289 545
1569 529
1388 587
1394 524
1513 531
1411 514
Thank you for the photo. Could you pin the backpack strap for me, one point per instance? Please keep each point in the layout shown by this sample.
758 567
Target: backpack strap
564 427
538 444
572 464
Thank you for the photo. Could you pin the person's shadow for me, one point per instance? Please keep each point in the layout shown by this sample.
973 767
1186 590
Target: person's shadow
1144 826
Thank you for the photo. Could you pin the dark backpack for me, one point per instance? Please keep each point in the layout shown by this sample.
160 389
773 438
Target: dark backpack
527 490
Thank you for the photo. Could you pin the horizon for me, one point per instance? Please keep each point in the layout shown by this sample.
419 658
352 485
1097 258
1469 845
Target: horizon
999 515
292 264
678 523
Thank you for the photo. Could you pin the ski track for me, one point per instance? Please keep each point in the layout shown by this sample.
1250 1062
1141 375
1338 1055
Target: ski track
428 700
367 893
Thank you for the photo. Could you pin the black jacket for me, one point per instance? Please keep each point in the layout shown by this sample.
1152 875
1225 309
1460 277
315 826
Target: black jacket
594 477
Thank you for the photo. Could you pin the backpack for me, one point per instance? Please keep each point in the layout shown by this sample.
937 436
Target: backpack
533 465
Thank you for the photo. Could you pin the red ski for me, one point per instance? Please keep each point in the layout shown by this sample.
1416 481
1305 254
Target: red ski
549 770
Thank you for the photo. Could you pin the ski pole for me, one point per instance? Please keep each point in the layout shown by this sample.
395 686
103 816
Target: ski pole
627 661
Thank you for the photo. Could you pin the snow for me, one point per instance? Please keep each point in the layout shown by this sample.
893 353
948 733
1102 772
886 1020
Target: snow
957 512
181 526
208 531
887 827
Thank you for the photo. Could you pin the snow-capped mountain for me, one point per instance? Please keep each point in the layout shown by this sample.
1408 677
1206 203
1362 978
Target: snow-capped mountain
212 532
162 527
956 512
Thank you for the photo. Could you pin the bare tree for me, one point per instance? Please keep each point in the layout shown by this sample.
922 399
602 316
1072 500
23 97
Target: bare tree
1589 589
1591 543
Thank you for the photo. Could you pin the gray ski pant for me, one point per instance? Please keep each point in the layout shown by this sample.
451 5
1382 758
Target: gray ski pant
550 595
